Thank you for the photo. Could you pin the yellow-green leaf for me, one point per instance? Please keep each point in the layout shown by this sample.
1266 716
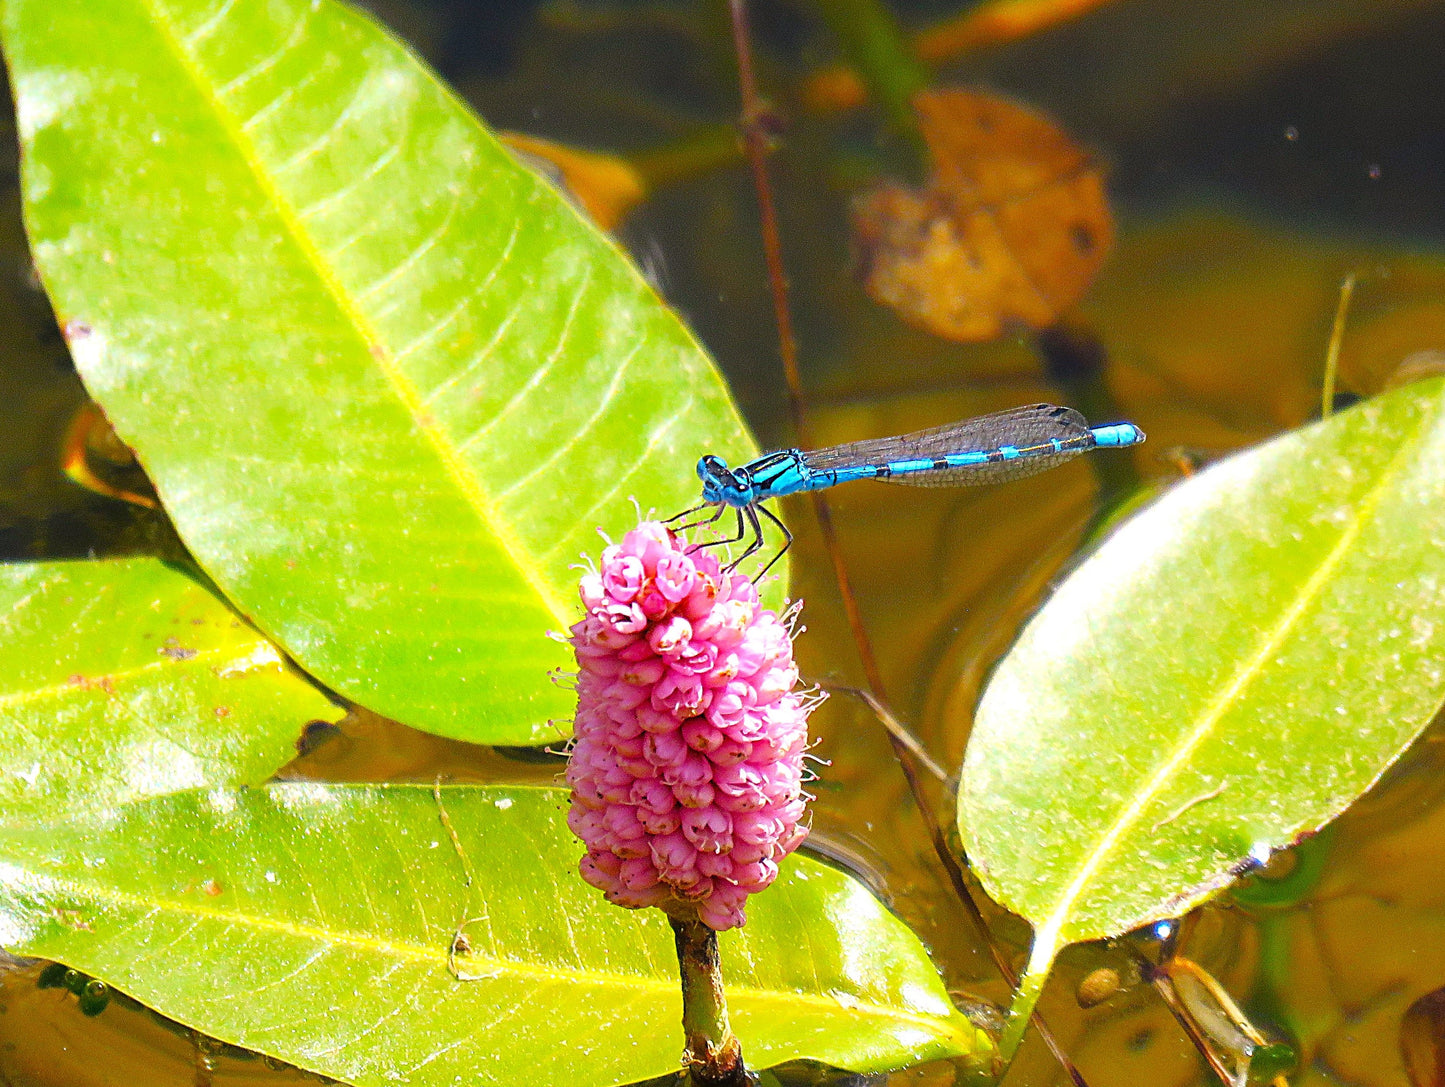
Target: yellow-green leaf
388 382
1229 671
313 922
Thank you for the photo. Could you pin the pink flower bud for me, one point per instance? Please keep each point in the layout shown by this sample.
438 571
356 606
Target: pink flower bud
676 575
753 727
696 659
592 592
679 694
665 749
654 605
694 796
675 857
636 650
587 824
596 871
730 752
623 578
623 618
670 637
653 795
694 770
653 720
638 874
724 908
699 888
659 823
755 875
701 736
618 895
715 865
757 827
644 673
709 829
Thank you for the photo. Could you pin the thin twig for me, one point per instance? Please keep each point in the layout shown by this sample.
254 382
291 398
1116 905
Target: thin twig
756 126
894 727
1164 986
1337 337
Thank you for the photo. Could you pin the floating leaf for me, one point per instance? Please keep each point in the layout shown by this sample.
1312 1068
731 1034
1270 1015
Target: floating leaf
1010 230
1230 671
386 380
606 187
126 679
331 910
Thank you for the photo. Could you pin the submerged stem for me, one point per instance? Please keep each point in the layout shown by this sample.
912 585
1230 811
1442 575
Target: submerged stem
713 1055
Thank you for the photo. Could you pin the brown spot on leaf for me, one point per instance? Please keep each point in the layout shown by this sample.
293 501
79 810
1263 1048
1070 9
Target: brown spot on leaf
212 887
1009 231
86 683
72 919
177 652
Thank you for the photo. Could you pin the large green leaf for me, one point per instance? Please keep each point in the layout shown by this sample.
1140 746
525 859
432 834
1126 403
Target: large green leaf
1230 670
126 679
313 922
386 380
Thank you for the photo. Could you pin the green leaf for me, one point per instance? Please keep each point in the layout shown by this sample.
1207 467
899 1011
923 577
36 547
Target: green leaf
312 922
1229 671
125 679
387 381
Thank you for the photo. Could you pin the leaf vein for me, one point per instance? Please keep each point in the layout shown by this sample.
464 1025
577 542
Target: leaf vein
585 428
538 375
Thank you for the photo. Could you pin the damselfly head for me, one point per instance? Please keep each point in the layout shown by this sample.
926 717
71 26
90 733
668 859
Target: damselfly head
715 475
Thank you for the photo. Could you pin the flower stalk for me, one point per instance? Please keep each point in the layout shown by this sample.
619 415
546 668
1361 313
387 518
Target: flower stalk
713 1054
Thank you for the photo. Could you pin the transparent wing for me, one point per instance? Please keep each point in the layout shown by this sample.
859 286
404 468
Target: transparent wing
1026 428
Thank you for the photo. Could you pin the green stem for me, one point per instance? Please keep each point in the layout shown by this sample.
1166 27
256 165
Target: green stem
874 44
713 1055
697 154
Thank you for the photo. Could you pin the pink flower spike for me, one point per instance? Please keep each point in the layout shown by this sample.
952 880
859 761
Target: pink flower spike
687 758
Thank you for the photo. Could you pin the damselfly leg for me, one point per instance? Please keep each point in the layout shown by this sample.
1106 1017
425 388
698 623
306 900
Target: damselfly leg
718 512
787 537
751 513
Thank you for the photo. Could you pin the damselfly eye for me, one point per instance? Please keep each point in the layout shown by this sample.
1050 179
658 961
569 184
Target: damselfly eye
710 467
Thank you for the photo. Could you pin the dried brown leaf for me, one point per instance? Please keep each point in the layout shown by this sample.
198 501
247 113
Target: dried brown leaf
1009 231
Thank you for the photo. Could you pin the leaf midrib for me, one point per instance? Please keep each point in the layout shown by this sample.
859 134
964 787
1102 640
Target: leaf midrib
1046 940
371 343
627 983
57 690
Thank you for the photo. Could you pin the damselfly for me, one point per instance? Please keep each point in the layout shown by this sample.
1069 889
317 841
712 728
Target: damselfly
989 449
